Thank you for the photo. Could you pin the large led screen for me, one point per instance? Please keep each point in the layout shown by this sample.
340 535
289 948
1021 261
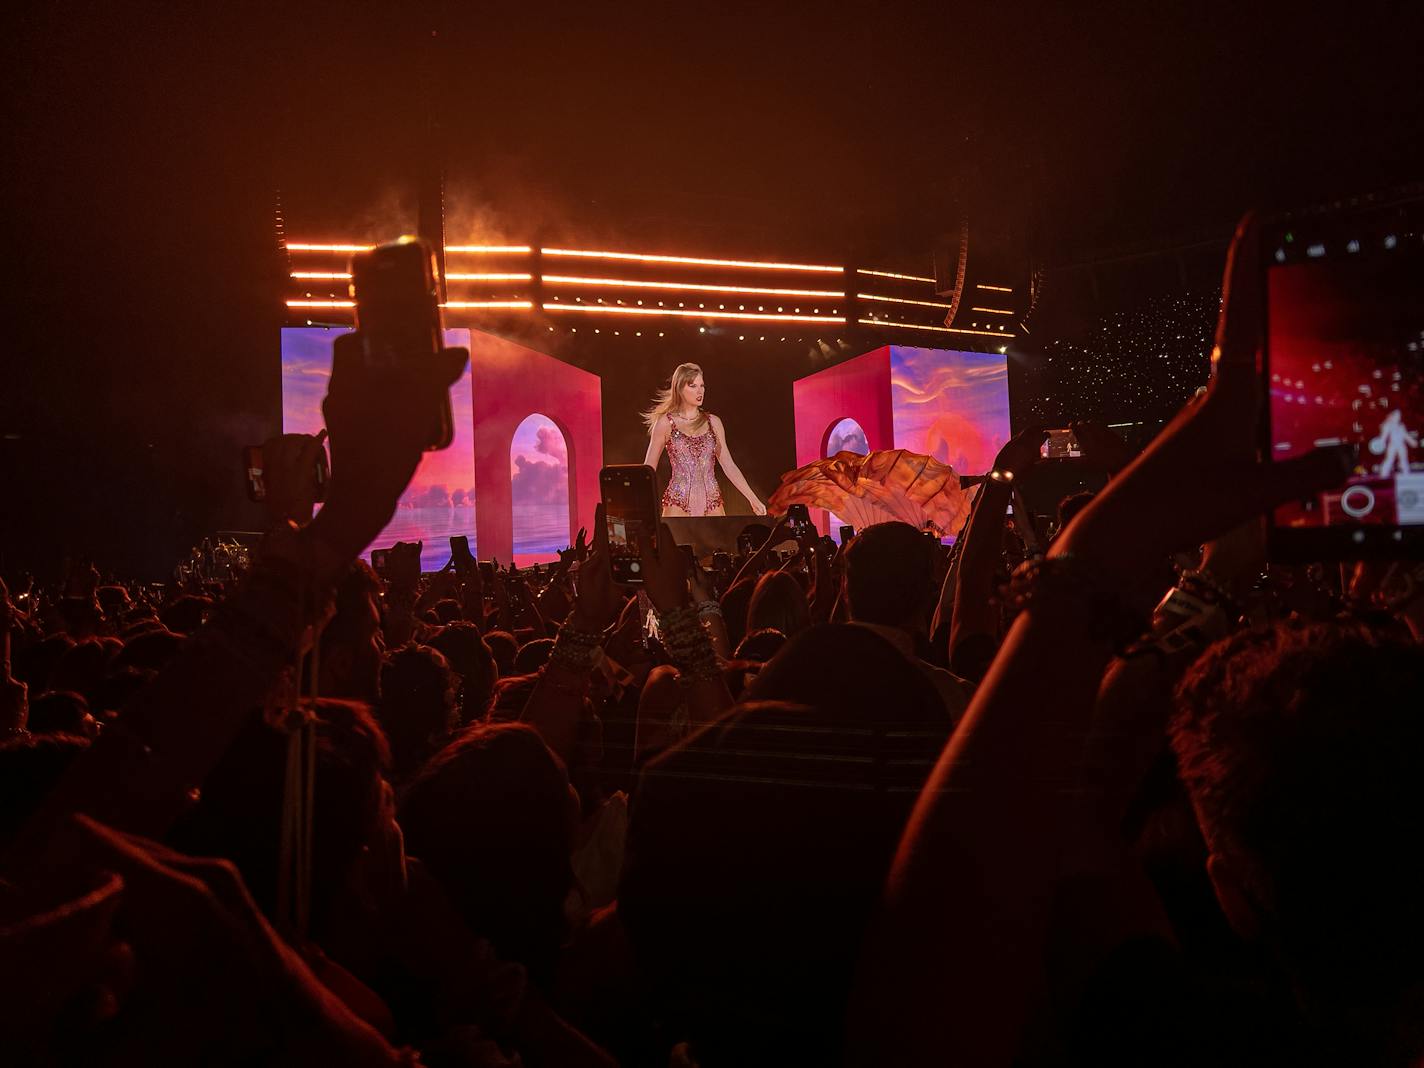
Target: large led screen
440 500
951 405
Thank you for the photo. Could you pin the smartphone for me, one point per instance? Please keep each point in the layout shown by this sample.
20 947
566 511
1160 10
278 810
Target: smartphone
487 571
847 532
689 555
252 467
1060 445
1343 367
380 561
257 481
630 508
460 551
800 517
744 545
721 562
323 470
396 287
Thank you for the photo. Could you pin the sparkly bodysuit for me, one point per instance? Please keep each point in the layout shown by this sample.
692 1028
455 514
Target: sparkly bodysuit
693 486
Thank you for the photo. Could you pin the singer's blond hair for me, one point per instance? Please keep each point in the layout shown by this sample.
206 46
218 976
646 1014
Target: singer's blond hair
669 400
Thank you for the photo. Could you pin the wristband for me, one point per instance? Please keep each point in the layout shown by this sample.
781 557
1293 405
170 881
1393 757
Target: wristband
708 608
688 645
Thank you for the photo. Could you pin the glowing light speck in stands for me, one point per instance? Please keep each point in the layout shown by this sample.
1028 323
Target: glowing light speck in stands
939 329
904 300
892 274
639 257
996 289
994 311
700 287
693 314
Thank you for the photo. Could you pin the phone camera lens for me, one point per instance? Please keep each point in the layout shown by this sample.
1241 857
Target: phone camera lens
635 567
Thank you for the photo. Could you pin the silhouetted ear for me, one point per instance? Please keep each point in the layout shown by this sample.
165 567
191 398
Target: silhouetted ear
1229 881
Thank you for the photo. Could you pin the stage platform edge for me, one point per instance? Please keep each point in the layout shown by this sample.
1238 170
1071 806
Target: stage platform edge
713 533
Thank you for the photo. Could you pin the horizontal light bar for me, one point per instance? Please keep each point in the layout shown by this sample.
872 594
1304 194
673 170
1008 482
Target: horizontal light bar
578 280
996 289
892 274
329 248
330 275
488 249
448 304
941 329
902 300
993 311
691 260
487 277
695 314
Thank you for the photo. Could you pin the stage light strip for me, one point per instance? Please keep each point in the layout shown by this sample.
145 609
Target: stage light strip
488 249
639 257
903 300
452 277
448 304
996 289
941 329
689 313
578 280
892 274
487 277
995 311
329 248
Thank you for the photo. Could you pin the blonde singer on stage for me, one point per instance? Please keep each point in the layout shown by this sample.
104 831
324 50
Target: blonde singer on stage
695 442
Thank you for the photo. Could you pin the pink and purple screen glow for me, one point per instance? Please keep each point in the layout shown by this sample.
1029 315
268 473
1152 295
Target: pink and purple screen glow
539 486
440 500
953 406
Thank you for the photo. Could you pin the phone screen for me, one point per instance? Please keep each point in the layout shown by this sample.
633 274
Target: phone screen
252 466
1060 445
1345 366
631 512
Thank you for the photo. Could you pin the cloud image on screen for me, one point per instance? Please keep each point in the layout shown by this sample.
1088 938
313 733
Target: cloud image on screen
539 475
953 406
440 500
847 436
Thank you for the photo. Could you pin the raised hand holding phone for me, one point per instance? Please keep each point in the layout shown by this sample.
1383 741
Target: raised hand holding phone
1201 476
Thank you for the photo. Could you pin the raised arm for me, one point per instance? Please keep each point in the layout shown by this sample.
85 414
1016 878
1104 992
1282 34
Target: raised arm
657 441
734 473
975 614
960 951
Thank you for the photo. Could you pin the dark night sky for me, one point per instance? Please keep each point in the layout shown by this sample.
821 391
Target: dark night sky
146 146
